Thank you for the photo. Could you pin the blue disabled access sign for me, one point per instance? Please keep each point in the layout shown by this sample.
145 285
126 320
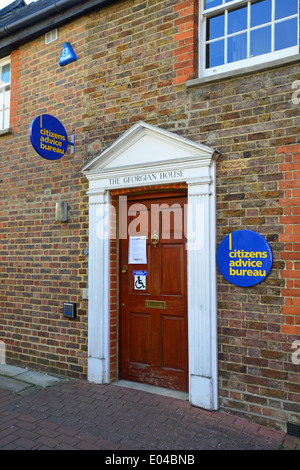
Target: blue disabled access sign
244 258
48 137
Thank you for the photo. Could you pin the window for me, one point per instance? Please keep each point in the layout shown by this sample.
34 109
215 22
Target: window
4 94
239 33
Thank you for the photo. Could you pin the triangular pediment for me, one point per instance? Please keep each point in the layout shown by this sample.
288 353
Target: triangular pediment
144 144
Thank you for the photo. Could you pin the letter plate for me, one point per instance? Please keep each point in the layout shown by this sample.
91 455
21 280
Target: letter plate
155 304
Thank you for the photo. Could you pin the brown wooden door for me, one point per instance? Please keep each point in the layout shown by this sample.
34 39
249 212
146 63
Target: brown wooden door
153 341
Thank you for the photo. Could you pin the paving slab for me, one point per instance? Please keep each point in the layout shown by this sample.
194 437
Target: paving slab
12 385
17 379
10 371
36 378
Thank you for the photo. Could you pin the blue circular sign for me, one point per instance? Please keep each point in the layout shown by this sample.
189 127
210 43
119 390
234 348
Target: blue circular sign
244 258
48 137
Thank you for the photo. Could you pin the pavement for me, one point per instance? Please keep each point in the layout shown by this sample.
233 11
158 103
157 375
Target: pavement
41 412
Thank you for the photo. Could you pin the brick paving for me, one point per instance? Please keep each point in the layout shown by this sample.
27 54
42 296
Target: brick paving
76 415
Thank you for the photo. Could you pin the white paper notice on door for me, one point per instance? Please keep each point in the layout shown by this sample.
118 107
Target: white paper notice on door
137 250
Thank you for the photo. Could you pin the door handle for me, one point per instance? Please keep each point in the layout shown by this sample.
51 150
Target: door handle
124 269
154 239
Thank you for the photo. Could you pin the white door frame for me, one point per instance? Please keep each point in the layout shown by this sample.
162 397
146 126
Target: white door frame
143 156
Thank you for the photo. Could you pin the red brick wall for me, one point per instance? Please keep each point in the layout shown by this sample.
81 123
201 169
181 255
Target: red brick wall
144 49
187 41
290 238
42 261
247 119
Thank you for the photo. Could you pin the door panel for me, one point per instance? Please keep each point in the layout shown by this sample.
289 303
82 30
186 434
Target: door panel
140 338
172 339
172 267
153 337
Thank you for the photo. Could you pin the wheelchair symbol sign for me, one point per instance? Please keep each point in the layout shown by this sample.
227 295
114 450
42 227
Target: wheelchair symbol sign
139 280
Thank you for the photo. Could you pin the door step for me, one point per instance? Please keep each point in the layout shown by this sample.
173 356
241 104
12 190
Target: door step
152 389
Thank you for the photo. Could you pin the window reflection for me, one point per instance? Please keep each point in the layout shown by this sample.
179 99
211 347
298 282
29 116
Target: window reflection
237 20
256 28
5 78
261 12
237 47
286 34
215 53
212 3
260 41
284 8
215 27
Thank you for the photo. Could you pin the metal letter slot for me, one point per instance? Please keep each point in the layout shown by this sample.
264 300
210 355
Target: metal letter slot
155 304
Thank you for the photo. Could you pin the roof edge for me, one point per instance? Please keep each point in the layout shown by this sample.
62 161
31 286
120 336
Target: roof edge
18 32
12 7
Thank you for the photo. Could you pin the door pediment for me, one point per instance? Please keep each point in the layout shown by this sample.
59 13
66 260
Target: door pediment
144 145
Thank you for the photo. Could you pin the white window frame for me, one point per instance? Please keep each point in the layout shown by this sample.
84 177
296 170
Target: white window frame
4 87
240 64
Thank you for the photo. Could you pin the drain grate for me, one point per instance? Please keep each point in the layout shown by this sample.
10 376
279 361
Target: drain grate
293 429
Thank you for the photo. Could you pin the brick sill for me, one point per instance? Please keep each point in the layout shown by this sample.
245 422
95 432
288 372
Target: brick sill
6 131
242 72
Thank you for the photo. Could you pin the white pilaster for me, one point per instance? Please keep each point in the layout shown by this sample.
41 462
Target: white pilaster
98 314
203 384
